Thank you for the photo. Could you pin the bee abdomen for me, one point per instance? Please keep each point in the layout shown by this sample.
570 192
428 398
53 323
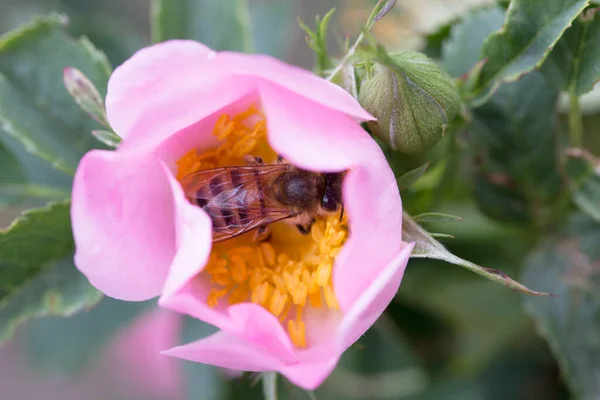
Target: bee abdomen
226 201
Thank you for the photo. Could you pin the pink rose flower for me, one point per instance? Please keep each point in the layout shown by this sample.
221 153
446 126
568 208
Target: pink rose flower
292 303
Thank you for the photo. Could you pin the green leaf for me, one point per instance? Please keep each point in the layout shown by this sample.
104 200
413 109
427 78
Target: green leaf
435 217
531 29
119 42
434 41
412 176
583 172
35 108
460 51
513 139
37 275
573 64
428 247
38 172
568 266
23 190
80 339
221 25
11 173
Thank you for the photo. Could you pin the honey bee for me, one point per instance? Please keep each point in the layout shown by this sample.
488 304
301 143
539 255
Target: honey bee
240 199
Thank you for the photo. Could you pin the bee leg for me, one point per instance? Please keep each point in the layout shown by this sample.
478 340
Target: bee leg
253 160
306 227
280 159
261 234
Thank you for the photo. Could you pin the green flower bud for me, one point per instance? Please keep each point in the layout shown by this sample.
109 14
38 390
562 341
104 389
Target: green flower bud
413 100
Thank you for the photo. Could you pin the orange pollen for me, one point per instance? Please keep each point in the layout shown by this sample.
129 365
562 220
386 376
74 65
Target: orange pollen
288 272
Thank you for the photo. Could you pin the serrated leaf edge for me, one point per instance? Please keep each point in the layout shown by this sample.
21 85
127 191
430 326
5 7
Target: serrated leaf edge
487 90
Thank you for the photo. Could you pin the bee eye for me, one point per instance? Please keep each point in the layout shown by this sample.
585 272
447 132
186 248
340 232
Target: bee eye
331 200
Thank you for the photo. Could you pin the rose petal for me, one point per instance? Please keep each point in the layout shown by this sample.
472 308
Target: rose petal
310 375
256 325
194 239
148 74
226 350
374 300
375 213
299 81
167 87
312 136
122 217
250 322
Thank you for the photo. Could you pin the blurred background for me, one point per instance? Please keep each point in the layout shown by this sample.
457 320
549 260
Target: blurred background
449 334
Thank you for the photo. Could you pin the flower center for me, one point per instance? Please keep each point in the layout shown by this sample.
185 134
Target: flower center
288 271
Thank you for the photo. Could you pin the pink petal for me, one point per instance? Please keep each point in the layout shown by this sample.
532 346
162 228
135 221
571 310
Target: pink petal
375 212
191 299
312 136
181 291
249 322
374 300
167 87
194 239
148 73
299 81
310 375
226 350
122 217
256 325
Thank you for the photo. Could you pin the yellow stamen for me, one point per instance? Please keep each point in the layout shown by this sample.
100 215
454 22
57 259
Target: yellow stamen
279 300
285 273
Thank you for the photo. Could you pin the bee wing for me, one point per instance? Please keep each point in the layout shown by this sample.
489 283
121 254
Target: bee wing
235 192
254 222
228 181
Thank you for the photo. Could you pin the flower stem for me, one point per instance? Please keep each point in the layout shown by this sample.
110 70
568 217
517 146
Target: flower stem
381 8
269 385
575 121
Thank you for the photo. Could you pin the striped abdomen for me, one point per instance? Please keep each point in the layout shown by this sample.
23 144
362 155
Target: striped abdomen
233 198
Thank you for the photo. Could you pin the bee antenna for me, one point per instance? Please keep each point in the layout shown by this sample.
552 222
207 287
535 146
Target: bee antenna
342 214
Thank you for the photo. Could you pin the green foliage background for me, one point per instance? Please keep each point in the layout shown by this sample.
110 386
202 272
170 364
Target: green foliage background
519 167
